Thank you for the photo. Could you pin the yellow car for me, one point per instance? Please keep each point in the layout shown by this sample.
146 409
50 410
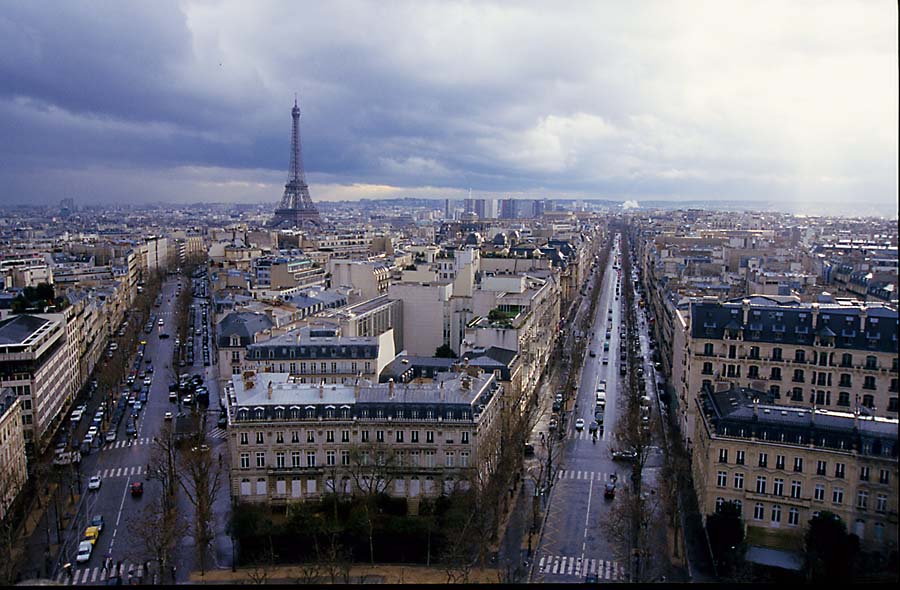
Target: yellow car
91 534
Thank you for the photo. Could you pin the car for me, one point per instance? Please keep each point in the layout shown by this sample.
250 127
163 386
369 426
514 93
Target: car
173 396
163 336
111 436
598 416
609 492
592 353
605 359
624 455
187 399
579 424
84 551
553 424
559 397
137 488
161 322
593 427
148 381
130 431
201 448
529 450
222 422
97 522
94 482
91 534
167 416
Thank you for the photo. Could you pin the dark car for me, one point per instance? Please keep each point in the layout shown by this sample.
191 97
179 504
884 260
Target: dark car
529 450
222 422
137 488
609 491
624 455
163 336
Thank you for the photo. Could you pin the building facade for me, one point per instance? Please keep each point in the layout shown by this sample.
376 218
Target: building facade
782 465
13 465
291 441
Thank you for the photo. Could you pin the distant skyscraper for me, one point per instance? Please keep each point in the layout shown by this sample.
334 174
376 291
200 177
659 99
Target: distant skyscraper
447 209
296 208
486 208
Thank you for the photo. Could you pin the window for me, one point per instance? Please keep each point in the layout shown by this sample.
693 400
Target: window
819 492
723 455
864 473
837 495
260 460
245 460
414 436
763 459
379 436
245 438
793 517
884 476
721 479
845 380
843 399
279 437
776 513
758 511
775 374
862 500
345 436
295 436
879 532
796 488
719 503
364 436
839 470
260 439
399 436
707 368
708 349
464 459
871 362
779 461
798 376
345 457
798 464
429 436
279 459
739 481
464 437
330 458
778 487
760 484
797 394
776 354
754 352
329 436
881 502
429 458
310 436
753 372
820 467
310 458
295 458
740 458
868 383
799 356
449 456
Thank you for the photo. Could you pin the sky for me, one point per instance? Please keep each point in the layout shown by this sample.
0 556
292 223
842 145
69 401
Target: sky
187 101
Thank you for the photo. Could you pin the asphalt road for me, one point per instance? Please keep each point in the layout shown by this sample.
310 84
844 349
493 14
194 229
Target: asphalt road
125 461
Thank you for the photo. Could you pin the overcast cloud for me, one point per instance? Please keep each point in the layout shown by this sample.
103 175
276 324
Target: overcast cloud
187 101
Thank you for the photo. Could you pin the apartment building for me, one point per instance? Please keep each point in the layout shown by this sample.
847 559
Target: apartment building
13 465
292 441
371 278
36 363
234 333
782 465
829 355
315 354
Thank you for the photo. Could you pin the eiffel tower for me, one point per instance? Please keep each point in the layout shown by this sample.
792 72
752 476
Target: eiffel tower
296 208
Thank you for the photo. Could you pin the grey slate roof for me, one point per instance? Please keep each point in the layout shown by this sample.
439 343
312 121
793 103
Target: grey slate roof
16 329
243 324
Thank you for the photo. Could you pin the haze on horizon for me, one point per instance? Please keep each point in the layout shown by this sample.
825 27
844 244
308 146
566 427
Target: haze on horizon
190 100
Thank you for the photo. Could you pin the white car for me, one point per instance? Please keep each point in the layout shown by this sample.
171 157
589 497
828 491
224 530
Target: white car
148 381
94 482
84 551
92 431
160 322
168 416
579 424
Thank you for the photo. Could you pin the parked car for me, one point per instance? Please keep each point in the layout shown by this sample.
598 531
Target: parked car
97 522
137 488
624 455
579 424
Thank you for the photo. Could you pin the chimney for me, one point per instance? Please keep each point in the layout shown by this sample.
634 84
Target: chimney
391 388
322 389
269 390
756 408
745 306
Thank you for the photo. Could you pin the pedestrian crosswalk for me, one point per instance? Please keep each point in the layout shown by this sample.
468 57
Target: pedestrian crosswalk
132 442
120 472
576 566
585 475
217 432
128 572
585 435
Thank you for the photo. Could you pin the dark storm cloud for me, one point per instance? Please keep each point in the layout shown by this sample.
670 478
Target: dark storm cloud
650 99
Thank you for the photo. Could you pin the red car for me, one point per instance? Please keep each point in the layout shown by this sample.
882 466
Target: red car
137 488
610 491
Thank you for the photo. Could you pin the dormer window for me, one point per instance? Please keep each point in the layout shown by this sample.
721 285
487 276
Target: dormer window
235 340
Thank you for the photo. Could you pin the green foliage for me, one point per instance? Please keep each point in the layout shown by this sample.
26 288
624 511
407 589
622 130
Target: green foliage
38 299
830 551
444 352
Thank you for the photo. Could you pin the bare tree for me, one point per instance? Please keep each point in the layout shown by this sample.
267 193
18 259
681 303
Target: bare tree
158 528
200 479
163 465
372 469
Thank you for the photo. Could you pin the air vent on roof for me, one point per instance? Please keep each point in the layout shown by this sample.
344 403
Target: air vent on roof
784 412
765 410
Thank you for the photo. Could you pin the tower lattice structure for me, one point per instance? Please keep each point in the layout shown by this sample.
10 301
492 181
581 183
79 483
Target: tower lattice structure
296 208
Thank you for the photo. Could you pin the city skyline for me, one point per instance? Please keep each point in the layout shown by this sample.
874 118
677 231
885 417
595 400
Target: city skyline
185 102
